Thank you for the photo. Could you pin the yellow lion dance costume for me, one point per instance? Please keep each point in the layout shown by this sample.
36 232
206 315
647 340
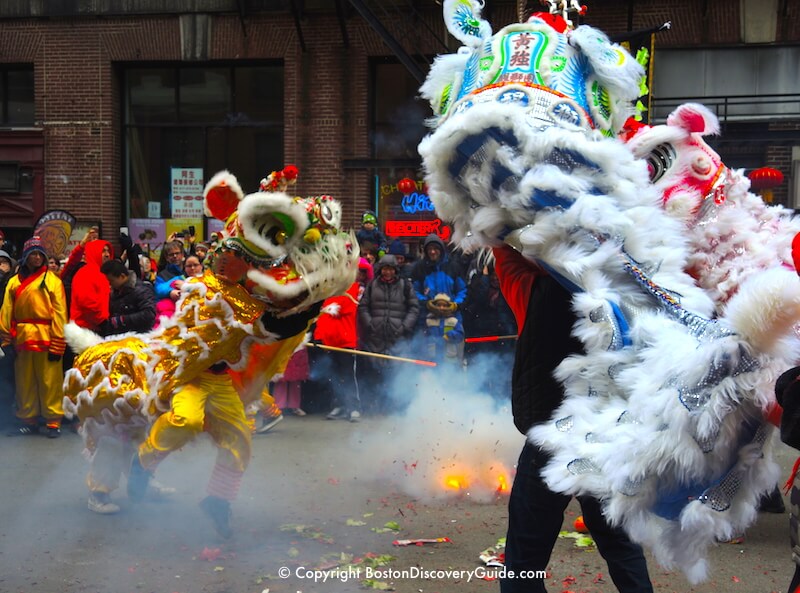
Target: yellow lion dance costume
233 329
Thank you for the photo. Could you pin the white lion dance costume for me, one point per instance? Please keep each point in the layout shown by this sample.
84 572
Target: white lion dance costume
663 416
233 329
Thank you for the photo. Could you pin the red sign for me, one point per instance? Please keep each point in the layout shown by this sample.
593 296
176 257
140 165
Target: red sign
417 228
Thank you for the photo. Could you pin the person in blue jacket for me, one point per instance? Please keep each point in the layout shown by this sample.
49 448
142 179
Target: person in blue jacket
435 274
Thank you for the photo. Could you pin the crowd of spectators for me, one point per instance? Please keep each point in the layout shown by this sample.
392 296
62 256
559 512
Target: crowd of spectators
423 299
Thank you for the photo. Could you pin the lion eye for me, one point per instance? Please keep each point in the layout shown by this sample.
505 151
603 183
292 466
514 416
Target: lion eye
275 234
660 160
326 214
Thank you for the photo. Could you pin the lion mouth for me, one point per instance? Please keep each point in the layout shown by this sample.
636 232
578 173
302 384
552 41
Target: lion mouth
256 260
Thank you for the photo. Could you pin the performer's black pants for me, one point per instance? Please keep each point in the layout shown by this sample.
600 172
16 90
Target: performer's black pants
535 515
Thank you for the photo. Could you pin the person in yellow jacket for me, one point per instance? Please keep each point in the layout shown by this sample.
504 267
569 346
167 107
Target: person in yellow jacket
32 318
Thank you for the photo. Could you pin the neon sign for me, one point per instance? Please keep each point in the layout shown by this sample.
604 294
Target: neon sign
417 228
416 202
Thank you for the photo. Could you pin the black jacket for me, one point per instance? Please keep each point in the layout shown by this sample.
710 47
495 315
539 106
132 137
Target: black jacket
546 339
132 308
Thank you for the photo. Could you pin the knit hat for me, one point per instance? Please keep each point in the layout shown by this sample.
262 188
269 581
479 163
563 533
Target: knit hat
369 216
397 247
5 255
31 245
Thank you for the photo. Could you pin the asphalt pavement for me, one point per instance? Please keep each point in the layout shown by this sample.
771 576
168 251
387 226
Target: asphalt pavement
319 496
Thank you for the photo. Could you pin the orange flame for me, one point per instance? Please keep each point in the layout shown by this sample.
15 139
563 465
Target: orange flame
502 483
455 482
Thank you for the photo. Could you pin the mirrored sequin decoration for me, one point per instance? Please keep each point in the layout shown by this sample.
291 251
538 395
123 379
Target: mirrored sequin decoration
720 496
593 437
602 314
627 418
564 424
582 466
631 487
707 443
696 397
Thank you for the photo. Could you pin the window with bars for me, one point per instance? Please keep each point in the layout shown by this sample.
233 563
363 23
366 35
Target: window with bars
210 116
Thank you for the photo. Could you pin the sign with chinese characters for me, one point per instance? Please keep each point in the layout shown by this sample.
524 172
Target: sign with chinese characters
186 192
525 50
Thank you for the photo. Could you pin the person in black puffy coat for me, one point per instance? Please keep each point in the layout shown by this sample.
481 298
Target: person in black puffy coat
387 316
132 306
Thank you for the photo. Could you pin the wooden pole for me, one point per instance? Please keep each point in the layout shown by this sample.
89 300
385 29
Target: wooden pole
426 363
489 339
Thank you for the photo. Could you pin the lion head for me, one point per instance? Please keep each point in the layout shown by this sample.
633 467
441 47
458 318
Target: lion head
289 252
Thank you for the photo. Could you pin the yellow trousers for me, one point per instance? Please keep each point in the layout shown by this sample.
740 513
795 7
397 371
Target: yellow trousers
208 403
39 389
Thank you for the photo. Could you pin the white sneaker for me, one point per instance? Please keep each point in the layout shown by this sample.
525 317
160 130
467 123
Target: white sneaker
100 502
335 414
157 490
355 416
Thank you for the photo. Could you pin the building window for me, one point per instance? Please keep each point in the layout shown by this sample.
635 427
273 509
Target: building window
398 122
198 119
16 97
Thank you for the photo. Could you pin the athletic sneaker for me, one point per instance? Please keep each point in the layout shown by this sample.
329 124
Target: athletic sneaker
355 416
100 502
53 432
24 430
335 414
269 423
156 490
298 412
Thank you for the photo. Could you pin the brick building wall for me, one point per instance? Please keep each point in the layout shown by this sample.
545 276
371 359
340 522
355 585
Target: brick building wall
78 98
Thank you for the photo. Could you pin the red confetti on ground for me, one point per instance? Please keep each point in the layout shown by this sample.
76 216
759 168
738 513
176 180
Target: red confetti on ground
131 569
570 580
735 579
598 578
333 481
210 554
409 468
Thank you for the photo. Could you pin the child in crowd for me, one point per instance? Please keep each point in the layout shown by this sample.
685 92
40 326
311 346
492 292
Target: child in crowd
444 331
370 237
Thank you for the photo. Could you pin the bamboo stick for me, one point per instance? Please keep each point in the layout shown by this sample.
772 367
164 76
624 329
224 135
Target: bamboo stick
426 363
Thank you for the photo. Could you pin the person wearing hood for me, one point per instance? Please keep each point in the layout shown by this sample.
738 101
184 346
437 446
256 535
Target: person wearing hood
387 315
435 274
32 318
7 269
90 289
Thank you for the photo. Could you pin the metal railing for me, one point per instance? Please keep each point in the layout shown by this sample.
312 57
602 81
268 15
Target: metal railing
734 108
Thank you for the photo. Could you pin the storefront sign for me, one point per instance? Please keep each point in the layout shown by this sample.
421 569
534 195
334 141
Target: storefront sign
416 202
417 228
186 191
54 228
149 233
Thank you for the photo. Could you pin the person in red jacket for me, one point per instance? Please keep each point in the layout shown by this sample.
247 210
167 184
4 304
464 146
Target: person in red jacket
336 327
90 289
